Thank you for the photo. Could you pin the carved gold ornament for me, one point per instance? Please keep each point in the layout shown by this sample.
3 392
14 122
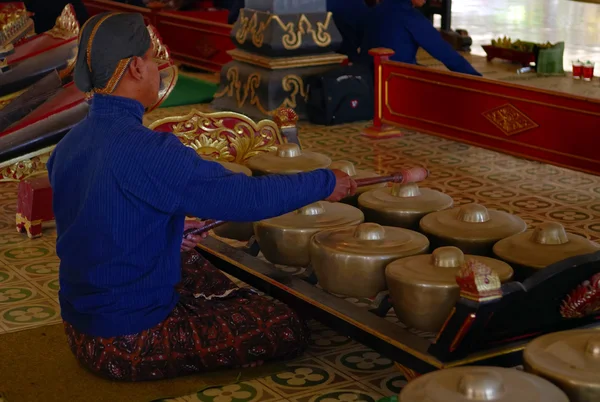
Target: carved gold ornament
227 136
478 282
509 119
160 51
583 300
246 93
294 31
14 22
26 166
66 26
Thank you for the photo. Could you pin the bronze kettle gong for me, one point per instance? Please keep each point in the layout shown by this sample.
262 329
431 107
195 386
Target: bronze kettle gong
472 228
351 261
288 159
402 205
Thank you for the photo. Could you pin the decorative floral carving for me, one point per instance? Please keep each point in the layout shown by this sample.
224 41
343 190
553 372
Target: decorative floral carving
292 84
29 166
583 300
161 52
66 26
226 136
294 31
478 282
285 117
509 119
13 23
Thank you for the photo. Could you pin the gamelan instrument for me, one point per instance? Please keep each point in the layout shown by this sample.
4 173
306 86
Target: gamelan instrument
570 360
494 384
285 239
423 288
349 168
351 261
536 249
287 159
405 176
402 205
472 228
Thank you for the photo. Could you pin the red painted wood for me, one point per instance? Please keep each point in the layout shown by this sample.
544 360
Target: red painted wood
34 203
454 106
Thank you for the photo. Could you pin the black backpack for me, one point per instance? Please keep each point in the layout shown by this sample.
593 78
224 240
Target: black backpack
343 95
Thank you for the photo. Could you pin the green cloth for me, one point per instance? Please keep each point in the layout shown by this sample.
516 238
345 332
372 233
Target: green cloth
550 61
190 91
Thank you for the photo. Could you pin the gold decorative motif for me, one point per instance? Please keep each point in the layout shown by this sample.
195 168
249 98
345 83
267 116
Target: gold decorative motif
285 117
294 31
280 63
478 282
226 136
14 23
66 26
509 119
292 84
584 300
25 166
161 52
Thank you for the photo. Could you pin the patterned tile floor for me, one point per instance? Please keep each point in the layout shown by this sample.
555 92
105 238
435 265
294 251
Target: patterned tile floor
335 368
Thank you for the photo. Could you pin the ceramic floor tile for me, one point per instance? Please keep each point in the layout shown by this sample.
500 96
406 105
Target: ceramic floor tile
29 315
324 340
306 377
387 384
359 363
353 393
9 276
40 268
49 286
248 391
27 252
19 293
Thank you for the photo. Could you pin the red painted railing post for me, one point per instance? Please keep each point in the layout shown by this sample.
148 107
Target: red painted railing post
377 130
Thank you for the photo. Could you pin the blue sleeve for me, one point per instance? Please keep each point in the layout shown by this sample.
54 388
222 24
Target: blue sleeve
430 39
170 177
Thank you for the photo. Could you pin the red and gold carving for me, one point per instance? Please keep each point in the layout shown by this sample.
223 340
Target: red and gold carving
509 119
227 136
25 167
583 300
161 52
285 117
478 282
14 22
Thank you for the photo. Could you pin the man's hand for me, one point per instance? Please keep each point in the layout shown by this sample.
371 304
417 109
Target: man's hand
344 186
190 241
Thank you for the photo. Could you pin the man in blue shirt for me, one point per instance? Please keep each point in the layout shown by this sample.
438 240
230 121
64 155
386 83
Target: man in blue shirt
397 25
134 308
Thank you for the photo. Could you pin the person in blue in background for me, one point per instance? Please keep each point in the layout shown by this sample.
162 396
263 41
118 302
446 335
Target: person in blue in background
347 16
398 25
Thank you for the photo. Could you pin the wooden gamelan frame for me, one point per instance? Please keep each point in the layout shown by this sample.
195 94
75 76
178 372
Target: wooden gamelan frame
413 354
547 126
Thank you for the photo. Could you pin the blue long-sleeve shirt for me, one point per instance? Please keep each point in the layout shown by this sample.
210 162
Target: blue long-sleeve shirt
121 195
397 25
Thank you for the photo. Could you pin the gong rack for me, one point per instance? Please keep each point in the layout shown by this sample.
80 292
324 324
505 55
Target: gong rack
565 295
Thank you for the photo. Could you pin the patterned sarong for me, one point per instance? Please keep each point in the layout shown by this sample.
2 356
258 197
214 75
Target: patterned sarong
215 325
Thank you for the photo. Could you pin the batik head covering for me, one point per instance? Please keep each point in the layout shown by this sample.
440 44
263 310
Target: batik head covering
107 44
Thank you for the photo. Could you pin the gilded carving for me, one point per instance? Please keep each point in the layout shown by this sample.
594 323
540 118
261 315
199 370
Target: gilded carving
66 26
583 300
478 282
294 31
161 52
226 136
408 373
26 166
509 119
13 23
246 93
